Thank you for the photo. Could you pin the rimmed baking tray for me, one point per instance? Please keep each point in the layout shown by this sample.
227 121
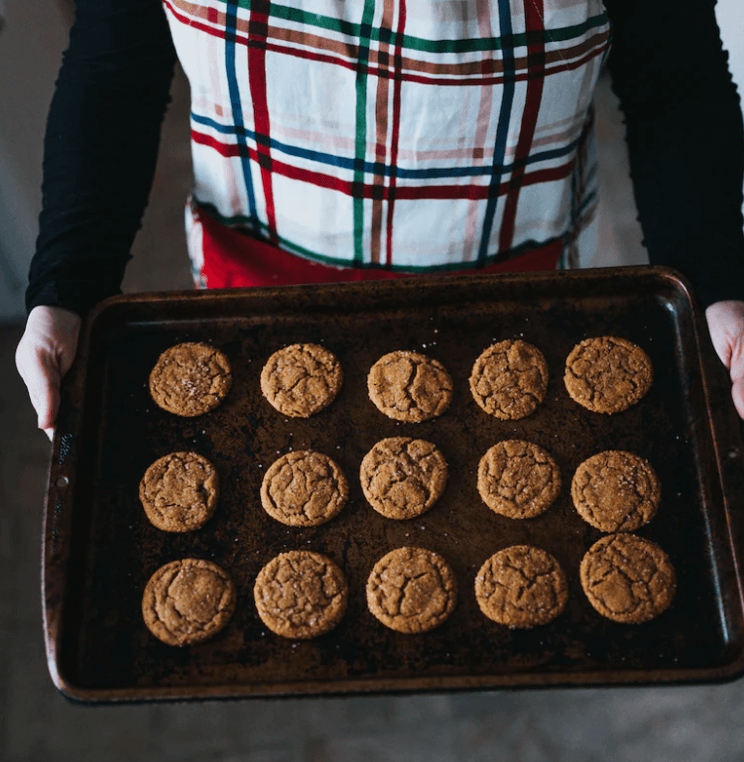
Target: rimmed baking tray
99 550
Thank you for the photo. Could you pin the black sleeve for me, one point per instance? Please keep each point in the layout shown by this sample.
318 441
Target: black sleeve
100 150
685 138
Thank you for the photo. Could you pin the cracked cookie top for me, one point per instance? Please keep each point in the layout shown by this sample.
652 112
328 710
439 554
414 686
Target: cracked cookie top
304 489
179 492
616 491
190 379
188 601
509 379
411 590
521 586
300 594
518 479
628 579
301 379
408 386
607 374
403 477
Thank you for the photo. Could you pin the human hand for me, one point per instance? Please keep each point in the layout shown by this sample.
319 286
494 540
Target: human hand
43 356
726 326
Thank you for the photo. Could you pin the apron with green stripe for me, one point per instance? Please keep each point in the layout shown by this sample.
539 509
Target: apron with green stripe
411 136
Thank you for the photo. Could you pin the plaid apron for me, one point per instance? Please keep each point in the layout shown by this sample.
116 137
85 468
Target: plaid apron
389 137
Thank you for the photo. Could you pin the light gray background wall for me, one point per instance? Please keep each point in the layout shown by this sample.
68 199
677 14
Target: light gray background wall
32 39
31 43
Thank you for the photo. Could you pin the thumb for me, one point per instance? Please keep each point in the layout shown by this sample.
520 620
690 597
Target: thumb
43 387
737 392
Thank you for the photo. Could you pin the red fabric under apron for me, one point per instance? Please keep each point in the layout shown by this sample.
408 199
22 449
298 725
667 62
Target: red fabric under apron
235 260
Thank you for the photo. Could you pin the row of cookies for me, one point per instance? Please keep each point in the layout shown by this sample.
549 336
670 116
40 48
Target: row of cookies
508 380
402 478
303 594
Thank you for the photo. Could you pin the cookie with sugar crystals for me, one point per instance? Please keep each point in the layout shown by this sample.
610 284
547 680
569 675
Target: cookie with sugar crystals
628 579
301 594
509 379
188 601
408 386
190 379
607 374
412 590
301 379
521 587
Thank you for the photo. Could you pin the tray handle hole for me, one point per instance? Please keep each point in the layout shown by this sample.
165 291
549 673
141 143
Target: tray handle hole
63 481
733 453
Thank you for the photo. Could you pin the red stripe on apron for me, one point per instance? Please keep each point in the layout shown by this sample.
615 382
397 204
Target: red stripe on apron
235 260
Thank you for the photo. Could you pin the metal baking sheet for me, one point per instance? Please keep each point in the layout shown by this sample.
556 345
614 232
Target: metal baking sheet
99 549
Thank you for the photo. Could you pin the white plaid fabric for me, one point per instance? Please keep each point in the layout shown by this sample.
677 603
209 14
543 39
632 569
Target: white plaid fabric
434 134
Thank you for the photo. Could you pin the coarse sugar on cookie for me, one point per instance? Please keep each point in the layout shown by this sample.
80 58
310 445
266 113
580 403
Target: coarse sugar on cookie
412 590
509 379
403 477
408 386
304 488
628 579
607 374
188 601
179 492
616 491
521 587
301 594
301 379
518 479
190 379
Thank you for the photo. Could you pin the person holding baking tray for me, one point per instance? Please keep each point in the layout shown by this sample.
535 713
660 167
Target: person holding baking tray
337 141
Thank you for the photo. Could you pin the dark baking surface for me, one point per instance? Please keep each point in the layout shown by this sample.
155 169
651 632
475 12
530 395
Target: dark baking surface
100 550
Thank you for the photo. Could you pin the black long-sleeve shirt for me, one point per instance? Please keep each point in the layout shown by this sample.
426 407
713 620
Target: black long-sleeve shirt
683 127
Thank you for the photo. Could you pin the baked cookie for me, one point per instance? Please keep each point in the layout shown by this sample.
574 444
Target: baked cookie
179 492
521 586
607 374
300 594
412 590
616 491
188 601
509 379
304 489
408 386
301 379
190 379
628 579
403 477
518 479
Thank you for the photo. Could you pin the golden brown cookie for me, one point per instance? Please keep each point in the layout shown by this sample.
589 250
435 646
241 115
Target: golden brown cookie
300 594
190 379
616 491
607 374
408 386
301 379
509 379
304 489
628 579
403 477
412 590
179 492
188 601
518 479
521 586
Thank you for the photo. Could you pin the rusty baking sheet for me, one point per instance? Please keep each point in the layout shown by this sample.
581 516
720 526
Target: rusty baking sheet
99 549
